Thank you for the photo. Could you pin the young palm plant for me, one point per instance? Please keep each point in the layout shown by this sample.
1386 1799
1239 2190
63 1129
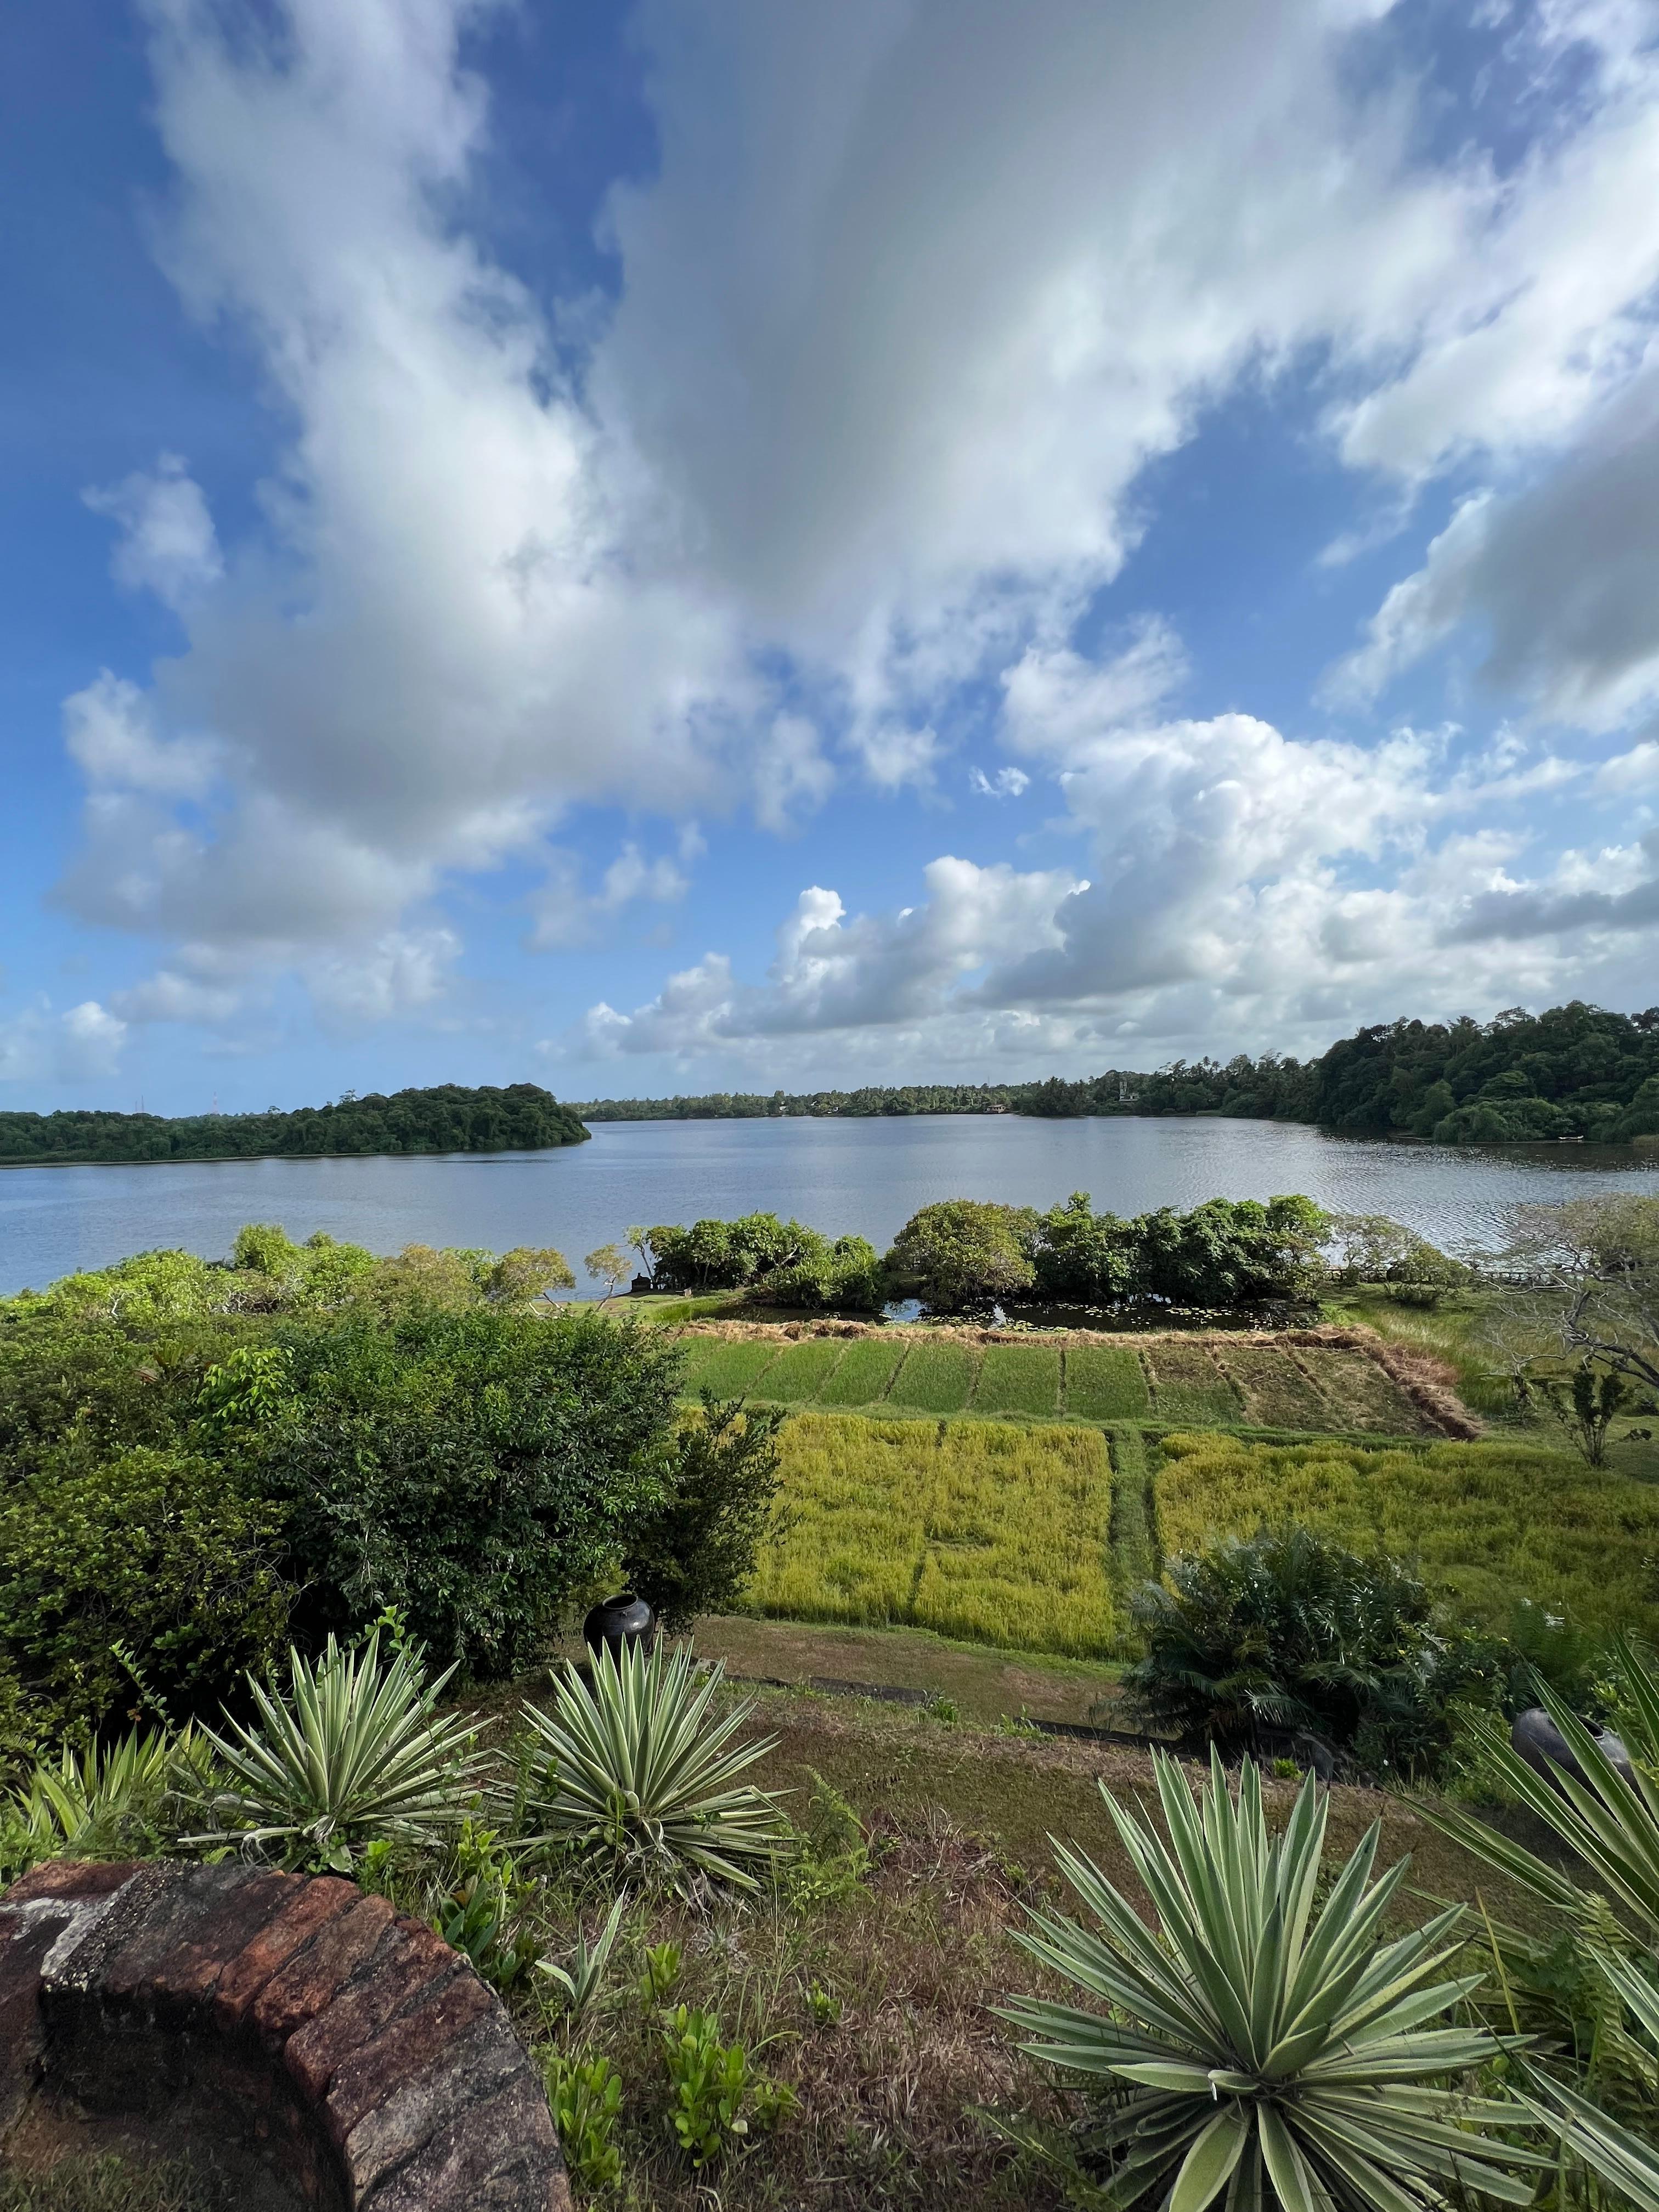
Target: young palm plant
356 1751
640 1768
1611 1825
1256 2047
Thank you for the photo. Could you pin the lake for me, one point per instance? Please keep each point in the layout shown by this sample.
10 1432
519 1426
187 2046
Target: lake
867 1176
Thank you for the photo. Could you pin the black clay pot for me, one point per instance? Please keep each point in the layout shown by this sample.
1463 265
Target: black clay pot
1544 1748
617 1622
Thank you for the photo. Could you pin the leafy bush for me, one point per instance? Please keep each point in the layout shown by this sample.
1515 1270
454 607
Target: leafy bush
1258 2048
475 1470
149 1571
356 1752
726 1255
845 1277
961 1253
693 1551
642 1771
1286 1631
586 2095
120 1800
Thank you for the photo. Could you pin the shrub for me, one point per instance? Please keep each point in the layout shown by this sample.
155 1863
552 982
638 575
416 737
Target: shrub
846 1277
354 1752
475 1470
728 1255
1287 1631
1284 2057
152 1570
693 1550
643 1773
587 2097
961 1253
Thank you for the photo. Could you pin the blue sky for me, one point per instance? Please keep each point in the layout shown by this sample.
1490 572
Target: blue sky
684 547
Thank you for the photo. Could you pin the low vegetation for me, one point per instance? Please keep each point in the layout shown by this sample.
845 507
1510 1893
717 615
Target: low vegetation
1486 1524
988 1533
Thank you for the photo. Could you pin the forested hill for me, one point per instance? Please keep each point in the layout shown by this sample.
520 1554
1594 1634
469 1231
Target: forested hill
1573 1072
447 1118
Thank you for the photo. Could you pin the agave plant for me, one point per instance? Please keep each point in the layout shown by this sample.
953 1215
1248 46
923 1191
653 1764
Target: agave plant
1256 2047
93 1802
1611 1825
356 1751
641 1767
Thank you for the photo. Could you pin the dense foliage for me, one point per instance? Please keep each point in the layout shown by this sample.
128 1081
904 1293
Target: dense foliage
1573 1071
782 1261
446 1118
1228 1252
194 1457
1255 1639
963 1252
474 1470
693 1549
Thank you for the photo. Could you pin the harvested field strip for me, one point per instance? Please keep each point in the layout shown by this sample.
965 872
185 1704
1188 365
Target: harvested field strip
1019 1378
937 1376
975 1529
717 1364
1105 1383
1364 1397
1135 1530
1277 1394
1485 1523
800 1371
1187 1385
869 1365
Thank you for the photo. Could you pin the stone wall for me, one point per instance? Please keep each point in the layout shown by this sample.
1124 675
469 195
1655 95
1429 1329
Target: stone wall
344 2048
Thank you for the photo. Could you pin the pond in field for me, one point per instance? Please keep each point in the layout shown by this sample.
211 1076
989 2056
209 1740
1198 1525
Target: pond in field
863 1175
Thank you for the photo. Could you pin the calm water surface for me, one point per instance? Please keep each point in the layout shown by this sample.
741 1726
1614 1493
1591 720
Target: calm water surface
868 1176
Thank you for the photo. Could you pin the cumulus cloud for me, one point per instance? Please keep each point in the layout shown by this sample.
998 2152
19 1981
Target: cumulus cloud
1008 782
1563 576
167 543
79 1045
915 292
837 972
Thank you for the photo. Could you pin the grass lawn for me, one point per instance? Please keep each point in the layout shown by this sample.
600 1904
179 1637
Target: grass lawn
937 1376
990 1533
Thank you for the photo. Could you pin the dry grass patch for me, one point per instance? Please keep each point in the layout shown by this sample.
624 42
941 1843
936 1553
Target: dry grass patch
1187 1385
1277 1394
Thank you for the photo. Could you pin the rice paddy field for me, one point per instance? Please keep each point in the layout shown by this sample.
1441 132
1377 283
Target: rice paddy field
1178 1381
1485 1523
980 1530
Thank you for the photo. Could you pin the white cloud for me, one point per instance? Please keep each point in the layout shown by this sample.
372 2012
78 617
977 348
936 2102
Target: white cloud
915 291
110 731
400 974
1562 576
167 543
167 996
79 1045
1008 782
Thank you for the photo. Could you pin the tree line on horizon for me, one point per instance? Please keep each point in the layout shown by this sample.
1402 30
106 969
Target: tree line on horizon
1575 1071
446 1118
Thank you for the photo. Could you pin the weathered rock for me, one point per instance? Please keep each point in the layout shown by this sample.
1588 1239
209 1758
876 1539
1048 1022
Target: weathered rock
346 2051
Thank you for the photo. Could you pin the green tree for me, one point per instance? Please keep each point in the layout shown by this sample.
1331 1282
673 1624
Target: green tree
610 1264
963 1252
693 1551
